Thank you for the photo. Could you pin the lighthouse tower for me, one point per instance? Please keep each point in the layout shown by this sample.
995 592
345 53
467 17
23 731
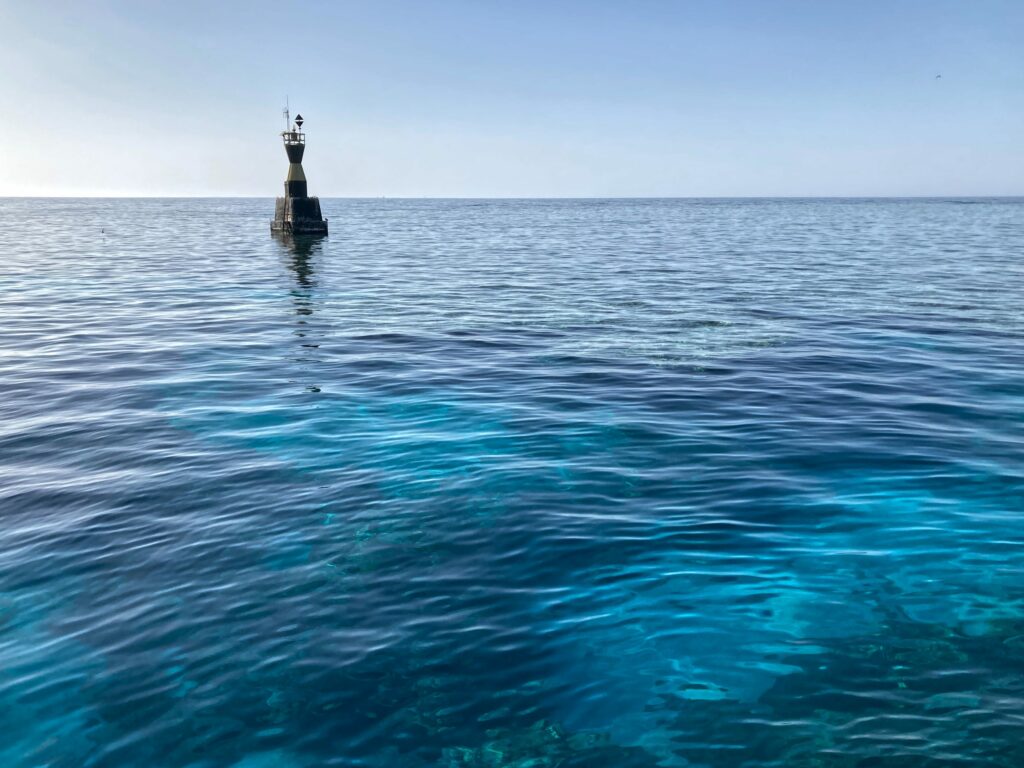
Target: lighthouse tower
297 213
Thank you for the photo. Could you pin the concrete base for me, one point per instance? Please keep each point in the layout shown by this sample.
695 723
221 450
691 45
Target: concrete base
298 216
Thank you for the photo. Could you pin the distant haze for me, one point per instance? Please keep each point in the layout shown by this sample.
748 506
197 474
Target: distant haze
468 98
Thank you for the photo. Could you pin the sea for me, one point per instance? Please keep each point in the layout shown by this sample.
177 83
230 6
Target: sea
512 484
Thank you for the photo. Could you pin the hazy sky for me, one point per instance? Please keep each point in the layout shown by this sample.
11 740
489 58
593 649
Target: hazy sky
515 98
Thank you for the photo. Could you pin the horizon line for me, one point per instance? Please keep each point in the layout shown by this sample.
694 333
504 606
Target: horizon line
521 197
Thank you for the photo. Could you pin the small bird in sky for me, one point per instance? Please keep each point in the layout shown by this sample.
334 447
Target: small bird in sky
937 77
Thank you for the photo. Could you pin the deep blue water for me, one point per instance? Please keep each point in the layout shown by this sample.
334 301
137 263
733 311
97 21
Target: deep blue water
512 483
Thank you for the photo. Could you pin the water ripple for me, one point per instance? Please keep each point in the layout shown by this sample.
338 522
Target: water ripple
512 483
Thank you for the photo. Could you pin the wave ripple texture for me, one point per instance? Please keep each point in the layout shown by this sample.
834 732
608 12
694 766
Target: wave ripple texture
511 484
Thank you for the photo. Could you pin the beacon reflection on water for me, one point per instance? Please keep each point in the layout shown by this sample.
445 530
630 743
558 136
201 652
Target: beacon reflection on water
301 252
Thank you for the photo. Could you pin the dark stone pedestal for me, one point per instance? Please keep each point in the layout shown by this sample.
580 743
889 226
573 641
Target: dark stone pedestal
299 216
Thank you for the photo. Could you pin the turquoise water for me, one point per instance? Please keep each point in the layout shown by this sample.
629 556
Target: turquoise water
512 483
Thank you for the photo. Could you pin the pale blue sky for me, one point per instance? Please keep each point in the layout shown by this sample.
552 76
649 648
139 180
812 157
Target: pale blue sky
516 98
